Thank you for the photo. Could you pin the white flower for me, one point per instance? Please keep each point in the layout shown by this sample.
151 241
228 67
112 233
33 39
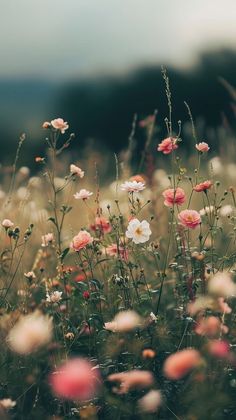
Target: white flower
82 194
24 170
215 166
6 223
221 285
54 297
138 231
30 333
150 402
132 186
153 317
30 275
75 170
60 124
226 210
47 239
207 210
124 321
7 403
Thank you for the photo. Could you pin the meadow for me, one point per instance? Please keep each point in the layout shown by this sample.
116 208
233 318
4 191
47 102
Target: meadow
118 281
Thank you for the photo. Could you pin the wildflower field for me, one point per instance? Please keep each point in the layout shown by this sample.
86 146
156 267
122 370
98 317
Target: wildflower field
118 280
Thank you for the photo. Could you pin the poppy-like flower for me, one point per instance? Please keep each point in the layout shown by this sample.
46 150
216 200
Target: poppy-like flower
60 124
180 363
30 333
202 147
76 379
210 326
134 379
7 223
54 297
138 231
75 170
150 402
189 218
82 194
174 196
222 285
101 224
47 239
167 145
132 186
203 186
124 321
81 240
117 251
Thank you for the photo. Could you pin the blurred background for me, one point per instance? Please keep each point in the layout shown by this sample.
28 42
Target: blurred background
96 63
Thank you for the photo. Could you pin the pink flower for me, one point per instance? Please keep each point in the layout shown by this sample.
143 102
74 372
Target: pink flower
82 194
75 379
174 196
47 239
189 218
46 124
75 170
101 224
6 223
179 364
114 251
203 186
167 145
202 147
60 124
81 240
135 379
210 326
218 348
132 186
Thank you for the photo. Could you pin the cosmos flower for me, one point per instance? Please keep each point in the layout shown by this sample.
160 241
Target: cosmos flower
124 321
132 186
138 231
82 194
75 170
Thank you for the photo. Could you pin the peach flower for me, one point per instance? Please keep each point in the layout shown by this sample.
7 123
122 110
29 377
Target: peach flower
6 223
203 186
222 285
174 196
81 240
218 348
135 379
60 124
210 326
132 186
167 145
150 402
114 251
124 321
75 379
101 224
189 218
202 147
179 364
75 170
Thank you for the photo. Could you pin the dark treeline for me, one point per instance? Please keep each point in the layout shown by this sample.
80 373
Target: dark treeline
102 109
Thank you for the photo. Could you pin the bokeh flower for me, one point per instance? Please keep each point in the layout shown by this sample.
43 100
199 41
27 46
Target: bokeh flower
124 321
47 239
180 363
150 402
7 223
101 224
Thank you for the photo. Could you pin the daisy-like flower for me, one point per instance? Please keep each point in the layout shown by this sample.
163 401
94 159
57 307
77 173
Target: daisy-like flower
132 186
138 231
83 194
124 321
60 124
54 297
75 170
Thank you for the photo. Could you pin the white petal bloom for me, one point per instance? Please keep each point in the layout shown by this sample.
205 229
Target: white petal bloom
124 321
82 194
132 186
75 170
222 285
226 210
150 402
54 297
138 231
209 210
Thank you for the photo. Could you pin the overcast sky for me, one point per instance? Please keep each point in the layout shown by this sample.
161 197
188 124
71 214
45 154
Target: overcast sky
73 38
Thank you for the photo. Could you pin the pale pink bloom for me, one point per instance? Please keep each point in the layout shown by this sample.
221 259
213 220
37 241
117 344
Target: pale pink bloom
138 231
132 186
75 170
101 224
83 194
210 326
150 119
203 186
124 321
150 402
30 275
77 379
135 379
226 210
46 124
7 403
202 147
30 332
54 297
114 251
167 145
221 285
189 218
223 306
6 223
174 196
47 239
218 348
207 302
60 124
81 240
179 364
